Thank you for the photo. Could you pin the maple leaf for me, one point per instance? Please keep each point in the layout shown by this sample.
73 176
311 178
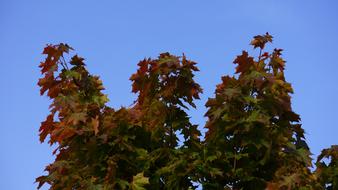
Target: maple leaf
49 50
253 140
261 40
76 60
139 181
46 127
143 66
64 48
244 62
276 61
76 118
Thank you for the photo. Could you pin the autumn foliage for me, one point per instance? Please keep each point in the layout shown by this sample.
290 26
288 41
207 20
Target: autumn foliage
253 141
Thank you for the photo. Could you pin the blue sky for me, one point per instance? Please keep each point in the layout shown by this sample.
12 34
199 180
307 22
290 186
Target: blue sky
114 35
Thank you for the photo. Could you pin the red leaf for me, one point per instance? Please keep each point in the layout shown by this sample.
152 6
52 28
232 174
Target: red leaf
49 50
46 127
143 66
244 62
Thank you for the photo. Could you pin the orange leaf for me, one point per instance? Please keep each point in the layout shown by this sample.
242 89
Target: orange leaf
95 123
244 62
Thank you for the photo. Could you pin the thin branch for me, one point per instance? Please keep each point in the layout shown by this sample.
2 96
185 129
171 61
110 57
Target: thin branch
63 66
234 168
260 54
64 61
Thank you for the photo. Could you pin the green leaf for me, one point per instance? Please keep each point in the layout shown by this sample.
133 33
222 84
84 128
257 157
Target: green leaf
139 181
123 184
72 74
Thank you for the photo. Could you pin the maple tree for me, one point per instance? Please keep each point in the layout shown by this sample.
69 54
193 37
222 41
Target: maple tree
253 141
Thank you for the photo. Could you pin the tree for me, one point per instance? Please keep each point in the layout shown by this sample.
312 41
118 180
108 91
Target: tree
254 140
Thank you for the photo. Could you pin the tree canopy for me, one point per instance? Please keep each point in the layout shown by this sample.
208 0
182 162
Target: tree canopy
254 139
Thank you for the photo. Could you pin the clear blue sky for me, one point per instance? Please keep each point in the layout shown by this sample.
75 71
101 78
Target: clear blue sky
114 35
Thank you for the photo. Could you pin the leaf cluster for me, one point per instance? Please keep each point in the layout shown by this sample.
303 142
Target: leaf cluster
254 140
